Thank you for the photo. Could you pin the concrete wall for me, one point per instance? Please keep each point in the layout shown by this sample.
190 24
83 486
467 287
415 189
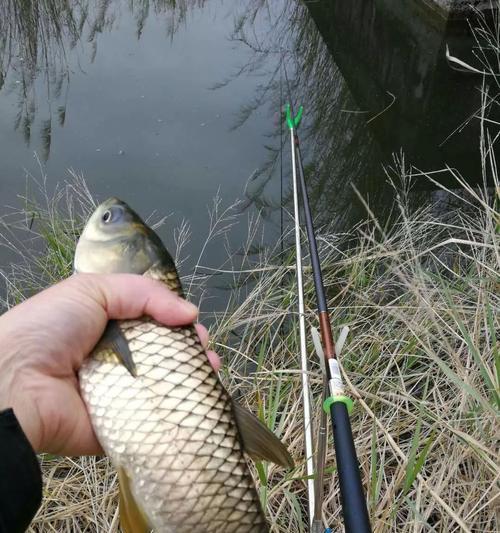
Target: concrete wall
394 47
460 7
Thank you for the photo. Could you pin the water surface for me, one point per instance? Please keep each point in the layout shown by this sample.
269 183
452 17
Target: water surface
166 103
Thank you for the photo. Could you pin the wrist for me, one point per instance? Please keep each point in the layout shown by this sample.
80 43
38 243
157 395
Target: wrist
6 379
15 395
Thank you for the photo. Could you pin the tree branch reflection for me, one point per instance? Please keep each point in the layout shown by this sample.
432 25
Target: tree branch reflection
37 36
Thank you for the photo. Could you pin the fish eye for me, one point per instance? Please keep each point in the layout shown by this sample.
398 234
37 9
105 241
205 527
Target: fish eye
113 214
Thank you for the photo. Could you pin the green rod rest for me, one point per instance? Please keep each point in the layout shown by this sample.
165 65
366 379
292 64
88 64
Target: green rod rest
293 122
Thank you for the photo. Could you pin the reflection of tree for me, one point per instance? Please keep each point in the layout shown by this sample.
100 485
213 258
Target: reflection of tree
336 143
32 36
36 36
346 145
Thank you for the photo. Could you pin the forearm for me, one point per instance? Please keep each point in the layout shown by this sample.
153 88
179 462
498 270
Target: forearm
20 476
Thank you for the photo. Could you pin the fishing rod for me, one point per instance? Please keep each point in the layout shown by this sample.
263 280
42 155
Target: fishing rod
336 404
306 400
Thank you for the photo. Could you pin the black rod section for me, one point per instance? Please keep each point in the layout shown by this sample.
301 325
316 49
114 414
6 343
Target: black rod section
311 237
356 519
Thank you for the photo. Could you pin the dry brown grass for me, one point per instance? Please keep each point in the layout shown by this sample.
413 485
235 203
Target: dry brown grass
421 300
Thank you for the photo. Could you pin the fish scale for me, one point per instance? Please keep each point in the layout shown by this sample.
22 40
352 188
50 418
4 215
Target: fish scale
172 429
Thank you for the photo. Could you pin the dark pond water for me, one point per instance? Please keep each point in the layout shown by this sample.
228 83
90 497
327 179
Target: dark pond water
166 103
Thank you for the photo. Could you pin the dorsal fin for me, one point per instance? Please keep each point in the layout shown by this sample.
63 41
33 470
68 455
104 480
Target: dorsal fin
113 339
259 442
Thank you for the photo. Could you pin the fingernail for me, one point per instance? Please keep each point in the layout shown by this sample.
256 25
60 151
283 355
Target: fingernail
188 306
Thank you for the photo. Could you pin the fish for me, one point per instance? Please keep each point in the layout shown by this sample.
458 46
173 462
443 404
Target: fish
178 440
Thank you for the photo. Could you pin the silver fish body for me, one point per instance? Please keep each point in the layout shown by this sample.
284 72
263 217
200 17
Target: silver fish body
158 408
172 429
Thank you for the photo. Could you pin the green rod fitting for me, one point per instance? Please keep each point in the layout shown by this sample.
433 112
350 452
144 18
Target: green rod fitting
293 122
334 399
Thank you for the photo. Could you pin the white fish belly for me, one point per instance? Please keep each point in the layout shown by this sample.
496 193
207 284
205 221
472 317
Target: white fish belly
172 429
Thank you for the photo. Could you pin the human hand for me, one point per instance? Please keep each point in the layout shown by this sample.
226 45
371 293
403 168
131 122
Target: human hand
44 340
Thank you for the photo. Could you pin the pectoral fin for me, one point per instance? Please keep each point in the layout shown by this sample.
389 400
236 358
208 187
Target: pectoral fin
113 339
258 441
132 519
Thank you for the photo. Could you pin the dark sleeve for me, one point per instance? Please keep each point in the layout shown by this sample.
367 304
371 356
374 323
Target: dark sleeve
20 476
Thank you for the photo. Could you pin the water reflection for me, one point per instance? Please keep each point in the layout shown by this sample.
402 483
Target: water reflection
372 76
390 53
36 37
119 91
340 150
374 80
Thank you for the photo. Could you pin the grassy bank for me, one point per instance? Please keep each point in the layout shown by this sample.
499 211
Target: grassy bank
421 299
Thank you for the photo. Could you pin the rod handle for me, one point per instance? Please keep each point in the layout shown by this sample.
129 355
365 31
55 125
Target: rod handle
353 500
